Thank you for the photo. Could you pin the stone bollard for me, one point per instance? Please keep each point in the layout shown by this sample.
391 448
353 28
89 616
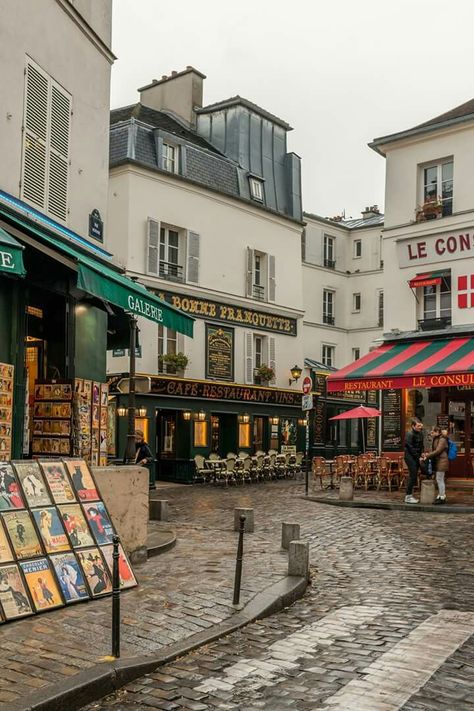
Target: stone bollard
428 492
289 532
346 488
249 523
298 559
159 510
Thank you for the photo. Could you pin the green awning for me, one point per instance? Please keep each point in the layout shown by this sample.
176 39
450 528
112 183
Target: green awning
11 255
109 284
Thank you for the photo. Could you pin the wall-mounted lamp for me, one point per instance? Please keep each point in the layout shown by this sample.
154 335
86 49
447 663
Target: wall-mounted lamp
122 411
244 419
200 416
295 374
186 415
303 421
274 420
140 412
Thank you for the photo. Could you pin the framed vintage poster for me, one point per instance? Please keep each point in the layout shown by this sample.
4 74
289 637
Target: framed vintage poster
95 570
41 584
13 595
10 495
127 578
6 410
6 551
22 534
32 482
76 525
82 479
51 529
70 577
58 481
99 522
219 352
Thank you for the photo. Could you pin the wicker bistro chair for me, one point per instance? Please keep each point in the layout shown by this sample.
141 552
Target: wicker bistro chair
243 455
318 469
200 474
214 456
231 455
246 471
258 468
229 472
269 464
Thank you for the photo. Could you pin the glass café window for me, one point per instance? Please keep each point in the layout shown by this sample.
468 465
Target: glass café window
438 183
200 434
437 300
244 435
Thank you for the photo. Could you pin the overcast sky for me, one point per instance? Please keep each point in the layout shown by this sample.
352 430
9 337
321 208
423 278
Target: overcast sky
340 72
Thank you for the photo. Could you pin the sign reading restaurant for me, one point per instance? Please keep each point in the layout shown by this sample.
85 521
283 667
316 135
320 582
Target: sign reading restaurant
404 381
177 387
235 315
429 249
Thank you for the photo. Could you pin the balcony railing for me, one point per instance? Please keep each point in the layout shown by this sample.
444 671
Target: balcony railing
329 319
258 292
330 263
432 324
173 272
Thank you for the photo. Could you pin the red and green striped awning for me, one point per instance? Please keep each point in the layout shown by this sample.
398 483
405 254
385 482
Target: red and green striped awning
417 364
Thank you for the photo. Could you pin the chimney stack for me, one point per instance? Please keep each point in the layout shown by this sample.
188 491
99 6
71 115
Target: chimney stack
178 94
371 211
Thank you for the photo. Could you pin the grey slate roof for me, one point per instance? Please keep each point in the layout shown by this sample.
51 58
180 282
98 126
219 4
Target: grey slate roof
240 101
360 222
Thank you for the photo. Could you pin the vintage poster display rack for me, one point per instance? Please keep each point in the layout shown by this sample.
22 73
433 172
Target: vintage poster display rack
90 421
52 418
55 538
6 410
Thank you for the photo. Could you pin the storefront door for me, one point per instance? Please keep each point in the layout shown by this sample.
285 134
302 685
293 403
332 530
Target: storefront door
460 413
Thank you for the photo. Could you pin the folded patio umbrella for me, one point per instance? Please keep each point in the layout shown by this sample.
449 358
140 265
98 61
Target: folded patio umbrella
358 413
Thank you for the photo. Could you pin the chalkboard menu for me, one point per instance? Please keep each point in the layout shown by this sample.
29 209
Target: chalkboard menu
219 352
443 421
392 420
371 433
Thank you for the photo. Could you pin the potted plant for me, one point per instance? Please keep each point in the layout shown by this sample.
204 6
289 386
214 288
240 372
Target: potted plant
174 363
431 209
264 374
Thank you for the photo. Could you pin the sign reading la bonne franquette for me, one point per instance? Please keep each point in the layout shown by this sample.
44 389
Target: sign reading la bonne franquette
429 249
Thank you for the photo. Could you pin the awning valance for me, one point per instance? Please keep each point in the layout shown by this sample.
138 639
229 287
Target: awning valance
11 255
99 279
427 279
415 364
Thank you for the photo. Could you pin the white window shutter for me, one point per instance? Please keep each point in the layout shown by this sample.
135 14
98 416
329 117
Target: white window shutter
313 248
60 120
249 272
193 257
35 136
272 356
271 278
248 346
153 246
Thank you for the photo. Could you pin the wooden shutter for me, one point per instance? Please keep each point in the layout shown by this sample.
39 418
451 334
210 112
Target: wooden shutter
35 136
271 278
313 247
180 343
248 346
153 246
193 257
59 152
272 356
249 272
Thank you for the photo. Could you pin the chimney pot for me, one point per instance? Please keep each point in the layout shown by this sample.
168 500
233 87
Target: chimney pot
173 73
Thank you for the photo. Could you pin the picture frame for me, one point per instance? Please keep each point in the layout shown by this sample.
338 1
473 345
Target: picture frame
32 483
126 575
41 583
10 493
51 530
14 597
6 550
95 570
22 534
99 522
70 577
58 481
82 480
76 526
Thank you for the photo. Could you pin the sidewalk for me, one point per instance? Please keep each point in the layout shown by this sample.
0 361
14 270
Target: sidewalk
182 592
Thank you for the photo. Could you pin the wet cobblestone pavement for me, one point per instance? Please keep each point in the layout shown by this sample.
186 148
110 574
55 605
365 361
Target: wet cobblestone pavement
388 622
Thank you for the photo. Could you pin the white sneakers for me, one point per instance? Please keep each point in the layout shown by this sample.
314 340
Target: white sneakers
410 500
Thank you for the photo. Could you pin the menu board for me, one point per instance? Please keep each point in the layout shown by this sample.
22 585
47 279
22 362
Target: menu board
219 352
392 420
52 418
371 432
6 410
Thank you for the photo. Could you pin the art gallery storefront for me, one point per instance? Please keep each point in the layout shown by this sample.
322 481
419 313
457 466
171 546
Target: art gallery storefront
62 305
183 417
432 379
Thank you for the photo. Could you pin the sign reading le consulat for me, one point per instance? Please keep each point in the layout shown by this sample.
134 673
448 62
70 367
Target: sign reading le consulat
418 251
235 315
409 381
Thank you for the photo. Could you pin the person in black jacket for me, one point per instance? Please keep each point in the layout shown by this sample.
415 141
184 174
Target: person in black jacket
143 455
413 452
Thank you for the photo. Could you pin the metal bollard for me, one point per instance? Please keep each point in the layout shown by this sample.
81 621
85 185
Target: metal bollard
116 599
238 562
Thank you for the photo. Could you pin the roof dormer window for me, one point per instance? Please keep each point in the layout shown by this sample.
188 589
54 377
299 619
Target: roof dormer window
170 158
256 189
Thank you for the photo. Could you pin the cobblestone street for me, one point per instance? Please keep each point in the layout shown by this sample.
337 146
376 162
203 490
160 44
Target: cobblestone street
386 624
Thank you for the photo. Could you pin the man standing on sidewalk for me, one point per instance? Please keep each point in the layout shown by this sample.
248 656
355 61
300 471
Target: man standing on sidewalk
413 452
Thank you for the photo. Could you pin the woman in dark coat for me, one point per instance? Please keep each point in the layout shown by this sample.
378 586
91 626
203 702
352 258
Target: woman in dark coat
439 457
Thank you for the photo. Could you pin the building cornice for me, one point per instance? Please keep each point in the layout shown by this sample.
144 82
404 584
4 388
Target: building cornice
87 30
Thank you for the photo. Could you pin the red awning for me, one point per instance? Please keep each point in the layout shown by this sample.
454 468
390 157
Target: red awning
414 364
424 280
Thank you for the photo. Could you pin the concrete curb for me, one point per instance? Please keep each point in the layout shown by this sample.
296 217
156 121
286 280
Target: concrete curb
107 677
445 509
153 550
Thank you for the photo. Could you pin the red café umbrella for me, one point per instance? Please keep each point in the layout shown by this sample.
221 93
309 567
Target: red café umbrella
358 413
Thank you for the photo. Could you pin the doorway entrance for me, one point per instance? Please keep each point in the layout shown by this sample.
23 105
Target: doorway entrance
460 411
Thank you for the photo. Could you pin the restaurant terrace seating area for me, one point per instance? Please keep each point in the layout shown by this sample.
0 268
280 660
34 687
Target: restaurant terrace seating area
369 471
243 468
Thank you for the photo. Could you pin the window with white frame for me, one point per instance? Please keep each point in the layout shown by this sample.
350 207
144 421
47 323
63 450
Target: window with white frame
328 307
357 248
380 309
256 189
173 253
46 128
436 301
328 355
260 358
438 185
329 252
356 302
355 353
261 284
170 158
167 345
170 266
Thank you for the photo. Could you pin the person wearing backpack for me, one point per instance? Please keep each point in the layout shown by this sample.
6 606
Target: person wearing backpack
440 460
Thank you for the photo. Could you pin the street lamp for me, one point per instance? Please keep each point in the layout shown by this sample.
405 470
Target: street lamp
244 419
295 374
